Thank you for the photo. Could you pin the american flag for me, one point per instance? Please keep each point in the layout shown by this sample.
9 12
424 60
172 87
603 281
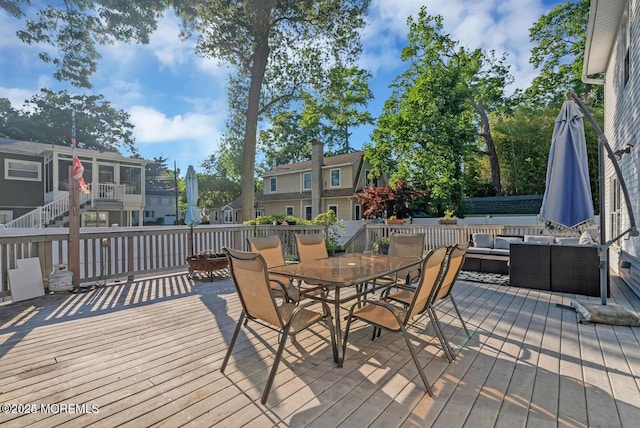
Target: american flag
77 169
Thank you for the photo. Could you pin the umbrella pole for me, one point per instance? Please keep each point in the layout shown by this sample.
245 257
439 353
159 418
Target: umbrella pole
192 240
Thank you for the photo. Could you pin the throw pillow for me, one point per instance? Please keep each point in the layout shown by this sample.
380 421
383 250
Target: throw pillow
483 240
503 242
586 239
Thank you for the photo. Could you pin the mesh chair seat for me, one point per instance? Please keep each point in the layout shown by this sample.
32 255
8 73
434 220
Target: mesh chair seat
251 280
270 248
384 315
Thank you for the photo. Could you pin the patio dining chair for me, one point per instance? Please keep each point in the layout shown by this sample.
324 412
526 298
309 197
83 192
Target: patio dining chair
382 314
444 291
250 278
270 248
311 246
405 294
406 245
452 265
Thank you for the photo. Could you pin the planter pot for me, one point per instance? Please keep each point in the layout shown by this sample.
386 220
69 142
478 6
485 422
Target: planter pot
399 221
382 248
448 221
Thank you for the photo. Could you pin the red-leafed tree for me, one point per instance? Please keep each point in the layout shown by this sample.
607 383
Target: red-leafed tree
380 201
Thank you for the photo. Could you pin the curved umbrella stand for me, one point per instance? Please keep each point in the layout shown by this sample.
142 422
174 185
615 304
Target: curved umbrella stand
611 314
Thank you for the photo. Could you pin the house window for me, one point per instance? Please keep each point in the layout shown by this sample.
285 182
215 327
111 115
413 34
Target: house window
289 210
228 216
627 45
306 181
22 170
357 214
273 184
370 181
307 212
131 177
215 216
334 208
616 211
6 216
335 178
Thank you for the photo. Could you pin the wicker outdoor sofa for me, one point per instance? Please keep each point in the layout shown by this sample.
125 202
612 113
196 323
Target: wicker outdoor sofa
537 261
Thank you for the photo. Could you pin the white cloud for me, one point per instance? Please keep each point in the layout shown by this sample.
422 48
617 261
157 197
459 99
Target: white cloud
17 96
166 45
153 126
497 25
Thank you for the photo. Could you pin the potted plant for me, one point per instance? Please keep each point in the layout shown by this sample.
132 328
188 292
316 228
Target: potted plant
333 248
449 217
394 220
332 229
381 246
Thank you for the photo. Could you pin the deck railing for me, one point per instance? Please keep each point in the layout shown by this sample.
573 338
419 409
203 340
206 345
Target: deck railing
114 252
47 214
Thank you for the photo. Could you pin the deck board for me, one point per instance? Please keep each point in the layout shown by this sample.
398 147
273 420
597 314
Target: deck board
148 352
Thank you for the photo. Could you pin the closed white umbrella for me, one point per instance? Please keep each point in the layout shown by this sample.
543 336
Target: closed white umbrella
192 216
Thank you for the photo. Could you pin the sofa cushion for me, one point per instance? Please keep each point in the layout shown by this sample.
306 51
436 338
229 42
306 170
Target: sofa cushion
503 242
482 240
539 239
499 252
477 250
566 240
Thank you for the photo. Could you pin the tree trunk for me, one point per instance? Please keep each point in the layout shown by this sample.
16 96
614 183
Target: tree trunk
491 148
260 56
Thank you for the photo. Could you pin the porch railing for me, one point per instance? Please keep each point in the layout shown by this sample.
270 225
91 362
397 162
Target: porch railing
47 214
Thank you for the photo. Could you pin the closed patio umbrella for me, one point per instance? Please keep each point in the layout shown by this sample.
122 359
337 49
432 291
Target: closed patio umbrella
192 216
567 201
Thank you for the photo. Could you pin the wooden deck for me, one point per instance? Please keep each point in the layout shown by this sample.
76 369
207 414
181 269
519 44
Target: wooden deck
147 352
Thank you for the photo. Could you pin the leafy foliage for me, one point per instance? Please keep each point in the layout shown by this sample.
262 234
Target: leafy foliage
46 118
74 28
393 202
559 38
427 128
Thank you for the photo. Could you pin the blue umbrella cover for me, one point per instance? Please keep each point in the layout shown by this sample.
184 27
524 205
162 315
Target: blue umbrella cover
567 201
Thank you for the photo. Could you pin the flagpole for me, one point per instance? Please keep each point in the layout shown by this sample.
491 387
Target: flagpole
74 216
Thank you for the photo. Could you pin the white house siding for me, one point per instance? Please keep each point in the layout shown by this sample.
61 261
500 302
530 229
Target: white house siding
621 127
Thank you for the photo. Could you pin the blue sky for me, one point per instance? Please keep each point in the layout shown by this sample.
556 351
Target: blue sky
177 100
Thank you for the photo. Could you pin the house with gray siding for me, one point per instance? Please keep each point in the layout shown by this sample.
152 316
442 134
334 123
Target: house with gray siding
34 178
612 59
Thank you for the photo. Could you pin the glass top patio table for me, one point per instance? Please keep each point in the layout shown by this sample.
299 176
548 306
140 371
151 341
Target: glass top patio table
347 270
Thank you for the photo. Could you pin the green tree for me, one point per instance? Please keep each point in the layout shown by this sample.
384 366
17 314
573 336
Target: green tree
559 38
218 185
46 118
487 78
327 113
287 41
75 28
427 128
